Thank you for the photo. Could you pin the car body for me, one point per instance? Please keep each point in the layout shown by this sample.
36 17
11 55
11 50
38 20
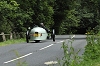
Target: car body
37 34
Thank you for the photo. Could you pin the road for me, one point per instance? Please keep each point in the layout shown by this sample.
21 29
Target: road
40 54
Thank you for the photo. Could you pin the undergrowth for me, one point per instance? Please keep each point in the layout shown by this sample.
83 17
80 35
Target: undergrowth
90 57
13 41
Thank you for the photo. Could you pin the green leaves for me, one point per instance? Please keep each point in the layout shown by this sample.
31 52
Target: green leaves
12 17
66 16
92 50
5 11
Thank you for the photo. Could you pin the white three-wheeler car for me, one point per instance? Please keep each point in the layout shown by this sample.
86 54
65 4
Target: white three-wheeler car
38 34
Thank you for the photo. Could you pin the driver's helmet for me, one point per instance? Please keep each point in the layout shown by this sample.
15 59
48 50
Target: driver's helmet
42 24
35 25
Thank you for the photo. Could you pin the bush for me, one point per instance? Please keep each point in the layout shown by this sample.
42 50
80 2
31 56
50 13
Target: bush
92 49
70 57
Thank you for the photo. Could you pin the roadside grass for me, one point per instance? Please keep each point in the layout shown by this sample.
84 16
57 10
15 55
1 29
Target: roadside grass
13 41
90 57
19 61
70 57
90 63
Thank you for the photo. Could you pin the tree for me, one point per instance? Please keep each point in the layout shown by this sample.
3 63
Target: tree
90 14
5 11
12 17
66 15
40 11
43 13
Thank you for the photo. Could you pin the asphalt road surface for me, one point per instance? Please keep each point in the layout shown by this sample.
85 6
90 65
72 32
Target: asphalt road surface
43 53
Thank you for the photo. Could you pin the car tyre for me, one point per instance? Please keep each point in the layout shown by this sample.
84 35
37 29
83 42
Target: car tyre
27 37
53 35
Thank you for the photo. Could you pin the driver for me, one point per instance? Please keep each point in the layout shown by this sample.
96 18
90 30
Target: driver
42 25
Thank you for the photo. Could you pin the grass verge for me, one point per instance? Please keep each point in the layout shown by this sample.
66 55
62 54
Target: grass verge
91 56
13 41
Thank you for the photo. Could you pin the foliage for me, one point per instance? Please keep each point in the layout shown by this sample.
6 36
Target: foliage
72 17
43 13
66 16
14 41
90 57
5 10
12 18
92 49
70 57
20 63
89 13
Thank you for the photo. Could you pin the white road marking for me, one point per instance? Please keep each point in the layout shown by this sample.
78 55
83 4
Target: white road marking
60 41
72 36
51 62
18 58
46 47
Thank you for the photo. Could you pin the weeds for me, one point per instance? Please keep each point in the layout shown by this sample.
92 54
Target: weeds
71 57
19 62
90 57
8 42
92 49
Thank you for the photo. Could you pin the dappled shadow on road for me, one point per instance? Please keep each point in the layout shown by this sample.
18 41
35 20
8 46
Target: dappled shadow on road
62 37
71 38
79 38
42 41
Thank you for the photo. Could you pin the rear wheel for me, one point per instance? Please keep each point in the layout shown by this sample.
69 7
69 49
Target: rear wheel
49 36
27 40
27 37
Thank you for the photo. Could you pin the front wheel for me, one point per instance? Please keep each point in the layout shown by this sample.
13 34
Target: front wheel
53 35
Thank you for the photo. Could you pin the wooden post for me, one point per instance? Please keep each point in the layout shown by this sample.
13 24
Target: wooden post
3 36
11 36
14 35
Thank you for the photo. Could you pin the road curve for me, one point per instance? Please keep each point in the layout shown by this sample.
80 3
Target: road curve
40 54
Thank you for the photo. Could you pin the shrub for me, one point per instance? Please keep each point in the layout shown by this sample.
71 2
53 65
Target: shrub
70 57
92 49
